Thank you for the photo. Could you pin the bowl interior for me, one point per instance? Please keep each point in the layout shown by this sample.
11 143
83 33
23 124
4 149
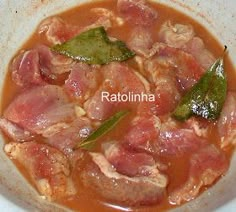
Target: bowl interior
19 19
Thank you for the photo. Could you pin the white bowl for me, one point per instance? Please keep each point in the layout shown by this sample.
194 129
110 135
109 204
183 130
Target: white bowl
18 20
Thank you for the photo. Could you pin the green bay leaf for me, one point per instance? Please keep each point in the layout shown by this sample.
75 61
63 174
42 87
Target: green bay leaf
207 96
106 127
94 47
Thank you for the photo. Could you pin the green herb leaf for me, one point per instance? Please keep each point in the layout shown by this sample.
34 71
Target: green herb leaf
106 127
207 96
94 47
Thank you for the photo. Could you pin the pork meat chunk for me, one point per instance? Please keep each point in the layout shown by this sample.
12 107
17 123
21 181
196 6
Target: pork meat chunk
100 176
48 168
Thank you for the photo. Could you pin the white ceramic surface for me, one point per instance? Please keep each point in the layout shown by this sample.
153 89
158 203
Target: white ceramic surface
19 18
